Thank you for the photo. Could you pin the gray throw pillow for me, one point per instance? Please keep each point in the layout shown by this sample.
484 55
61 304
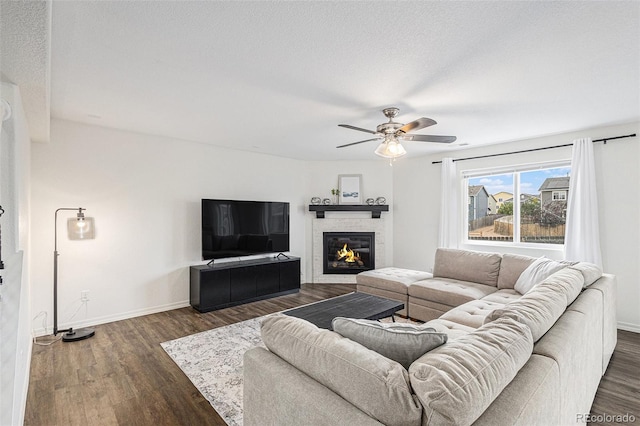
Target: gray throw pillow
401 342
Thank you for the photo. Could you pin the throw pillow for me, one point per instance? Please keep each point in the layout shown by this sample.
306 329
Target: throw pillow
401 342
535 273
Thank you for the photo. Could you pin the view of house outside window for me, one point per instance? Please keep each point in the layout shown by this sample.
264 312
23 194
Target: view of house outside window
538 214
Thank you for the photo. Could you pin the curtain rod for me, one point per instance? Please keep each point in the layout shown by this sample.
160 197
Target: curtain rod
536 149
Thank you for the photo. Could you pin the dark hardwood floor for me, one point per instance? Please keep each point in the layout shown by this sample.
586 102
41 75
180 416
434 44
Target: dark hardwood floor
122 376
619 390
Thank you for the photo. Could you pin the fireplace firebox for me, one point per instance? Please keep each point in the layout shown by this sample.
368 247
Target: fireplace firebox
348 252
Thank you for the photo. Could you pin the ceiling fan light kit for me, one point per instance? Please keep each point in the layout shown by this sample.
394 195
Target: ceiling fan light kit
390 148
392 132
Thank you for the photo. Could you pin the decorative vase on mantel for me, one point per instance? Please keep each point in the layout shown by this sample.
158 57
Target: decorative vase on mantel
334 196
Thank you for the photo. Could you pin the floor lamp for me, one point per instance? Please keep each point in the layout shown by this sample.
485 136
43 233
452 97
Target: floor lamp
78 228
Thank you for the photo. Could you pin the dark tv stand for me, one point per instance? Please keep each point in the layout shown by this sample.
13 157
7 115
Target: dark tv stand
221 285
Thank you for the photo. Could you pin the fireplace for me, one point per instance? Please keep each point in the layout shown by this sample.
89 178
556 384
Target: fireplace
348 252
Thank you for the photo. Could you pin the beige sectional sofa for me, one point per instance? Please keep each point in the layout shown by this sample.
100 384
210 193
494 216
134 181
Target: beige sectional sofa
510 359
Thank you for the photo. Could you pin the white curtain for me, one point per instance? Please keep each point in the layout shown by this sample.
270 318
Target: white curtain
5 112
449 201
582 236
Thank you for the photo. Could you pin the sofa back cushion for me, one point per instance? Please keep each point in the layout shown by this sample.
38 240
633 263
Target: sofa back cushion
511 266
376 385
466 265
541 307
590 272
456 382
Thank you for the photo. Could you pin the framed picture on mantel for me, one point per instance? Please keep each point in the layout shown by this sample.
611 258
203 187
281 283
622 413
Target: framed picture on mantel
350 189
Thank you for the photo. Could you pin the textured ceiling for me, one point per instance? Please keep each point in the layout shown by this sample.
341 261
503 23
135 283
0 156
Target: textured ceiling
277 77
24 59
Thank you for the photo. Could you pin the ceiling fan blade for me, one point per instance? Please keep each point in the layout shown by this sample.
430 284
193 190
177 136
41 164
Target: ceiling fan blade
356 143
429 138
420 123
357 128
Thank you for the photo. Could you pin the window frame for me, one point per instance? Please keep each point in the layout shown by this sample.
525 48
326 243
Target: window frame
563 193
466 174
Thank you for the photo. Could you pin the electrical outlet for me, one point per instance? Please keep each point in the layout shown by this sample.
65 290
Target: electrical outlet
84 295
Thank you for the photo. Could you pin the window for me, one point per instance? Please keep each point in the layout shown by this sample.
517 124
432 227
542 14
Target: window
539 213
559 195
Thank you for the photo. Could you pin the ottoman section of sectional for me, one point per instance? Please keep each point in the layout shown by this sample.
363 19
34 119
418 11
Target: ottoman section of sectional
391 283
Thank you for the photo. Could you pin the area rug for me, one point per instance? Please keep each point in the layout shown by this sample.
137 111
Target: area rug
212 360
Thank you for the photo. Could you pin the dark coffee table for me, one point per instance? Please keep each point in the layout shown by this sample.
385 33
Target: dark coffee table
352 305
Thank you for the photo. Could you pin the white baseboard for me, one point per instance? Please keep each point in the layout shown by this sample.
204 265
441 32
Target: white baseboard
111 318
627 326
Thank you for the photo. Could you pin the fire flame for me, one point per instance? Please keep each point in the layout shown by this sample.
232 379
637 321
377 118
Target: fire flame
348 255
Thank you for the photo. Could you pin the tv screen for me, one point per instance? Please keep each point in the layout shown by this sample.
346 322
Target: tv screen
232 228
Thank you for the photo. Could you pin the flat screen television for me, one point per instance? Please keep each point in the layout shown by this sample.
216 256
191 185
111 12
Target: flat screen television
233 228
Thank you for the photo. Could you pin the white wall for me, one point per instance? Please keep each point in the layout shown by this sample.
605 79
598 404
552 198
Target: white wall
417 200
144 193
15 336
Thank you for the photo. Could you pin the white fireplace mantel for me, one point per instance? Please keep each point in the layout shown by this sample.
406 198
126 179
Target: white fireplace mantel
329 224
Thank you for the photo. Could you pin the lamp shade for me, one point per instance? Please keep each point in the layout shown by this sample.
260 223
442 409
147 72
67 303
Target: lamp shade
390 148
81 228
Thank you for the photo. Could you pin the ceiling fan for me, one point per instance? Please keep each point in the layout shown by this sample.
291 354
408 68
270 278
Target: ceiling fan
393 133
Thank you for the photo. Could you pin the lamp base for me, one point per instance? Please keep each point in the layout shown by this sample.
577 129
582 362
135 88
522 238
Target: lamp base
75 335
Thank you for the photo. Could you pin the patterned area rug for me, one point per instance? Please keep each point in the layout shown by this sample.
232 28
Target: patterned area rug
212 360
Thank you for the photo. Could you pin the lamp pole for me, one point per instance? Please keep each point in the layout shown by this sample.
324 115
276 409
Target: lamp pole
70 335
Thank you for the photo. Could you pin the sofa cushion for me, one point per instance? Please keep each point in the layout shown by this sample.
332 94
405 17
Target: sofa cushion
448 291
401 342
276 393
541 307
590 272
465 265
392 279
504 296
458 381
535 273
345 367
511 266
568 281
472 313
453 329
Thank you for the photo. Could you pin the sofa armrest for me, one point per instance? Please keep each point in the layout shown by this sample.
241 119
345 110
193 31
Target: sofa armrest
276 393
531 399
346 368
607 286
